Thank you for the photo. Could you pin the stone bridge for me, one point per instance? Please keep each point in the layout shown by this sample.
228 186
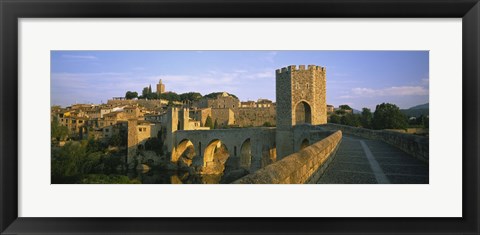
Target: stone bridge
251 148
248 148
351 156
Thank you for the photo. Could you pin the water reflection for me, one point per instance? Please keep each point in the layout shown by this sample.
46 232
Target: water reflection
161 176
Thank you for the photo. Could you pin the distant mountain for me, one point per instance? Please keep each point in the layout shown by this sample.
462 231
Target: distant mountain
422 106
417 111
355 111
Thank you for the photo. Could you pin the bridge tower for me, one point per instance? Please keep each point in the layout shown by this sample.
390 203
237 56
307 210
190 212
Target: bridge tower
301 99
177 119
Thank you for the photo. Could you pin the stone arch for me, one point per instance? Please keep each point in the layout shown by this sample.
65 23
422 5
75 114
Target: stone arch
213 149
305 143
184 147
303 113
246 154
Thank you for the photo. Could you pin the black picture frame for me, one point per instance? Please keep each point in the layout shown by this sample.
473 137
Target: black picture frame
12 10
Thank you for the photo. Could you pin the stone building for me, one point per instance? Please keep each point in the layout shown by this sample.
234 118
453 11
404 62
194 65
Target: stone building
248 104
330 109
201 114
301 99
223 100
160 87
223 116
264 103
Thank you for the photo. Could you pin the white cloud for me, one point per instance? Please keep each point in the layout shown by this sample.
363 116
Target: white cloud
389 91
270 57
425 81
93 87
260 75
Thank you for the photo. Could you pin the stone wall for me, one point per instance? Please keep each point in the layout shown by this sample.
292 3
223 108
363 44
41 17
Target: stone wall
201 115
219 102
305 166
417 146
223 116
149 104
132 140
255 116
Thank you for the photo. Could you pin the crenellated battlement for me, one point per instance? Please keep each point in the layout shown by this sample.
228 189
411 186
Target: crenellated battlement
300 68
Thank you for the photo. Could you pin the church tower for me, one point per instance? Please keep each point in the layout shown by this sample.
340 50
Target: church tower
160 87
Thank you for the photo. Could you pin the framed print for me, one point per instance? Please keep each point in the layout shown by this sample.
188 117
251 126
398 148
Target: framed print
295 117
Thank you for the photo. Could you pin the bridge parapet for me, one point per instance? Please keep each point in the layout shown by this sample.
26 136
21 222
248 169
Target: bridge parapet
305 166
414 145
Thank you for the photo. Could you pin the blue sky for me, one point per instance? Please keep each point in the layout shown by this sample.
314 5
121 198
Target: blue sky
357 78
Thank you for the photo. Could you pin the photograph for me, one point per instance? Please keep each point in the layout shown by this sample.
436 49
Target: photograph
239 117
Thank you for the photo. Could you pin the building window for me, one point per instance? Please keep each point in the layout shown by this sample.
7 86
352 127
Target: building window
107 130
140 129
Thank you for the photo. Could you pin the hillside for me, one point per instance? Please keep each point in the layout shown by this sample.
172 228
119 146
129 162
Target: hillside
422 106
417 110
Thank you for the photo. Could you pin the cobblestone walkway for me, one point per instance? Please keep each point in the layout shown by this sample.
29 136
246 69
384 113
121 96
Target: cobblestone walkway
364 161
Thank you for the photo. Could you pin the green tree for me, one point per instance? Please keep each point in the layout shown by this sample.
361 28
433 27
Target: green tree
208 122
145 92
152 96
334 118
67 159
215 125
421 121
350 120
340 112
425 121
94 145
58 131
388 116
131 95
149 89
190 96
345 107
118 140
215 94
366 118
170 96
154 144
